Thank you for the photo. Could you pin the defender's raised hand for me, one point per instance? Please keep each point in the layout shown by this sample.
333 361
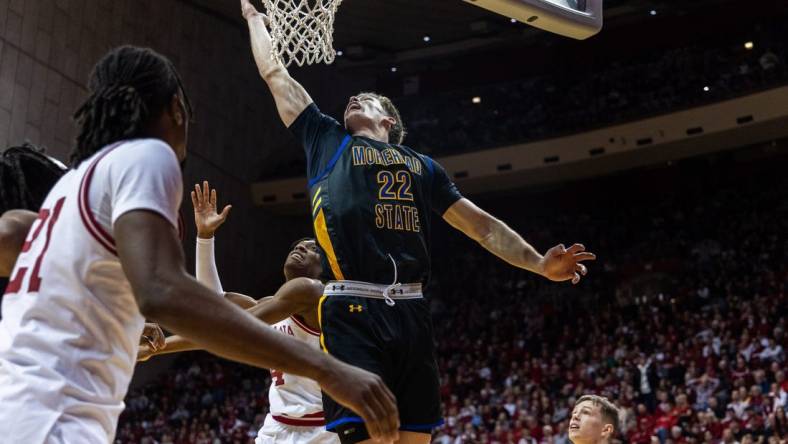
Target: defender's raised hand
249 11
562 264
205 216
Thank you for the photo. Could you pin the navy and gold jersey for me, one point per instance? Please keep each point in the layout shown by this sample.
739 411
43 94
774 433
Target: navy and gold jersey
370 200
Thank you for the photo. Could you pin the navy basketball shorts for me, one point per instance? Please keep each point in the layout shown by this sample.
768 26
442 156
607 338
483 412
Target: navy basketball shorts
393 341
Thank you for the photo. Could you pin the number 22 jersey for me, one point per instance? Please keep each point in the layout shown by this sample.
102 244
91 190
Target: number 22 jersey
371 202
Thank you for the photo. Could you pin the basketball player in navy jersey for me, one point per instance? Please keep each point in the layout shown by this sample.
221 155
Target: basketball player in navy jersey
372 199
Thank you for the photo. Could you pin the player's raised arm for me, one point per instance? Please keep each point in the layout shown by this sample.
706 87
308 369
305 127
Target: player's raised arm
207 220
14 225
558 264
290 97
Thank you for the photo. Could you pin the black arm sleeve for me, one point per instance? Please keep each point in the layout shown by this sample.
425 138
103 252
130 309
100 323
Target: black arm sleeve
321 137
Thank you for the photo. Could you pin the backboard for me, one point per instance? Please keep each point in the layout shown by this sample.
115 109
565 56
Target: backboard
578 19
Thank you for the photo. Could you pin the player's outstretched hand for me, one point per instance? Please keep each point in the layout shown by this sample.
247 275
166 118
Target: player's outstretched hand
152 336
205 216
249 11
367 395
563 264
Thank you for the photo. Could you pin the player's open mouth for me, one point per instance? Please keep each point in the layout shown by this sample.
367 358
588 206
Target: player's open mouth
574 427
353 106
297 256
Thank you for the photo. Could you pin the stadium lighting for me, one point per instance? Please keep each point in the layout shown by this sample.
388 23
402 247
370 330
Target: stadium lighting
339 53
426 39
749 45
393 69
706 88
514 20
653 12
476 99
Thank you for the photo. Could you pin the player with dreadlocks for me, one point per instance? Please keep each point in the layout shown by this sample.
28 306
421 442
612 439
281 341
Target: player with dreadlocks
103 254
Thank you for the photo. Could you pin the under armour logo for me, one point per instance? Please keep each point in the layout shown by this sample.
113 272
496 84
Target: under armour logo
396 291
355 308
341 287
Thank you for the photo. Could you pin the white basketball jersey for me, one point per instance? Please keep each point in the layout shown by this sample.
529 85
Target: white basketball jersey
295 400
70 329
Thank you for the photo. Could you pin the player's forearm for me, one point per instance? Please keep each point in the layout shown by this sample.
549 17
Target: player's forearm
241 300
263 47
177 344
215 325
505 243
206 271
271 311
296 296
208 275
289 96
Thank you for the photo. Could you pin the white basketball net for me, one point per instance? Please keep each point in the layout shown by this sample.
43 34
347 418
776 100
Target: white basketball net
302 30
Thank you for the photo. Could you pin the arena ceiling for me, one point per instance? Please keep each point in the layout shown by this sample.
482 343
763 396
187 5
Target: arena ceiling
386 30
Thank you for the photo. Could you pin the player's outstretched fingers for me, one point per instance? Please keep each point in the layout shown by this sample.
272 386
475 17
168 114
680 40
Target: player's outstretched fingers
206 193
580 268
388 406
194 199
584 256
159 342
198 192
226 211
371 421
362 392
248 10
153 334
380 413
556 251
576 248
575 279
